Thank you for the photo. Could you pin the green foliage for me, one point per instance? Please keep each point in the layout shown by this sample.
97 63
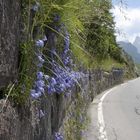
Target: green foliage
116 53
89 23
91 29
101 40
27 71
138 68
77 123
71 15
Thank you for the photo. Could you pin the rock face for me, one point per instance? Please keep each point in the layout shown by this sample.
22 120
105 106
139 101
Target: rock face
63 114
9 40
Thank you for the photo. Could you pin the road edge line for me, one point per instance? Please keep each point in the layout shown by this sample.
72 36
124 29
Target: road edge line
101 123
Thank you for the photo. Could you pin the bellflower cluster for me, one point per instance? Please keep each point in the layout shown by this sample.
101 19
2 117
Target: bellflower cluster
63 81
65 56
64 78
39 85
58 136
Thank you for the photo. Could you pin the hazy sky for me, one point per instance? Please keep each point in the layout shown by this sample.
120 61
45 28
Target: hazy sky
127 18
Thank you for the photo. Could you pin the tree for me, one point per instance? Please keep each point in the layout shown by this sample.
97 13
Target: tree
101 41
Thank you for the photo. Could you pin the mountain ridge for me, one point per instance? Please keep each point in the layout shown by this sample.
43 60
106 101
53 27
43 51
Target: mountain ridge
136 43
131 50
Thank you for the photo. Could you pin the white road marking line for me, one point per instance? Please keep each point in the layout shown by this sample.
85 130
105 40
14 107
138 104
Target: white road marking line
101 123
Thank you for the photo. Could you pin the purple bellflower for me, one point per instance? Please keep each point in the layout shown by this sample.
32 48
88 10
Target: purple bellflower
41 59
58 136
40 83
39 43
34 94
40 75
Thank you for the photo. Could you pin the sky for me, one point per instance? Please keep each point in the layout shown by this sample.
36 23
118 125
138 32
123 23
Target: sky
127 18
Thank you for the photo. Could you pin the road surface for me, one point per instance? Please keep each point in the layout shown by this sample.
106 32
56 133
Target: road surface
115 114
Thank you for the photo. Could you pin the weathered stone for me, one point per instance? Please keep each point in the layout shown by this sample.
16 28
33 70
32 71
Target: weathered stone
9 40
61 113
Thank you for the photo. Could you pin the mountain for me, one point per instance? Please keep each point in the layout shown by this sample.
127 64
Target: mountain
131 50
137 43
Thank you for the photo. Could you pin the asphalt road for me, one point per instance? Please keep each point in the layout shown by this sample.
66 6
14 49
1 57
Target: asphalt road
115 114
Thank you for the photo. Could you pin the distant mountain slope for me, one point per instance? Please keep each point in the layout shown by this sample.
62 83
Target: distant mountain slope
137 43
131 50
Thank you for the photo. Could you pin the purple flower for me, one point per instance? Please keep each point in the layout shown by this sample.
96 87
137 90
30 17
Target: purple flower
58 136
51 89
40 83
53 81
62 86
66 60
67 42
40 75
39 43
32 91
41 89
68 85
35 94
41 59
65 55
46 77
64 78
